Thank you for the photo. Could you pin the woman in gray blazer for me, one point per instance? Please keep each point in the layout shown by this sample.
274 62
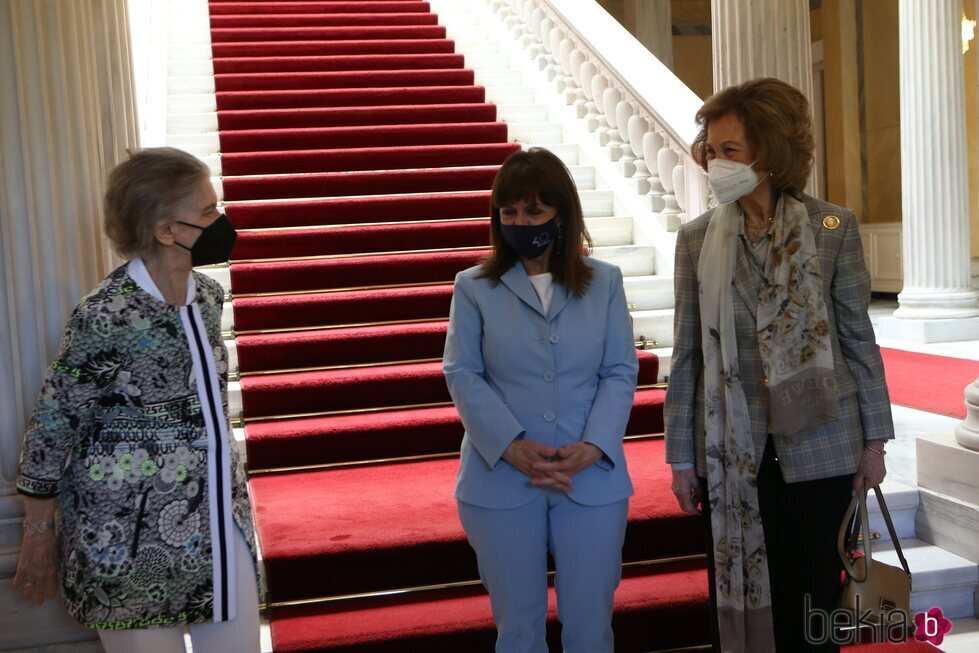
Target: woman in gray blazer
777 409
541 364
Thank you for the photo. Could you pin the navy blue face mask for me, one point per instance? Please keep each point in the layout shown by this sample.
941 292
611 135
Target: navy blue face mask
215 243
530 240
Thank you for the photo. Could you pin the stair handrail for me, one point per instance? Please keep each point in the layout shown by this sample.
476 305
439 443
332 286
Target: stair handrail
636 106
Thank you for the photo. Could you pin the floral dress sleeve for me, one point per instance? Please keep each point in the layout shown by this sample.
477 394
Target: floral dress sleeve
65 406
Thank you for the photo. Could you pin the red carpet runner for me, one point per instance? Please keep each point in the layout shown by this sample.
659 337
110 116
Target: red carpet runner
357 156
926 382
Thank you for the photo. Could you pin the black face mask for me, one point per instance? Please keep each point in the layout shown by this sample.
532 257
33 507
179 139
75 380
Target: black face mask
530 240
215 243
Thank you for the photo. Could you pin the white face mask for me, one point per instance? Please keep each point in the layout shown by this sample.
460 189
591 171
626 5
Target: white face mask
730 180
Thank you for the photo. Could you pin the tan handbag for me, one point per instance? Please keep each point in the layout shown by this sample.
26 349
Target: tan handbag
881 589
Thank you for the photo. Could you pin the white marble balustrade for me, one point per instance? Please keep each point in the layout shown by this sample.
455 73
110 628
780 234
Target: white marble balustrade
639 112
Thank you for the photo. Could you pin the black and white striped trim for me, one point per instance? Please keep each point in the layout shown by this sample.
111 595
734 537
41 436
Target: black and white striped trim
218 461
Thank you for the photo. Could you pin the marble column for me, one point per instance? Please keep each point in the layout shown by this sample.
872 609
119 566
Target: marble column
66 116
938 302
651 23
762 38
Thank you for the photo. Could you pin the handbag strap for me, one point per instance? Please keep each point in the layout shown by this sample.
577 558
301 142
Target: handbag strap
890 529
862 524
863 527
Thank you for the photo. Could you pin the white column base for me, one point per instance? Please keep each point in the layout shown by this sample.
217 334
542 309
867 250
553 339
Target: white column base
937 305
925 330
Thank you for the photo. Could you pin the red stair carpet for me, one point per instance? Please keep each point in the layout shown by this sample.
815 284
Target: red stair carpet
357 156
931 383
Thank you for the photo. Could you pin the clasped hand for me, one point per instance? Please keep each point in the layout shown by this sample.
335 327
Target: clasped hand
550 467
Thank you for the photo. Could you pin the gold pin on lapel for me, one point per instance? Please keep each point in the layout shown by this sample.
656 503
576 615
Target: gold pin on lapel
831 222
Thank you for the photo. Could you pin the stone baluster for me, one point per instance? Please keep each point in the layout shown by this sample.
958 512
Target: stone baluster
564 50
599 84
626 163
546 60
652 143
610 102
680 191
638 127
576 61
667 161
588 73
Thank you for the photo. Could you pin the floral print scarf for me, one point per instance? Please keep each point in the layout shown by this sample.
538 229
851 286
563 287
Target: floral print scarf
793 326
792 343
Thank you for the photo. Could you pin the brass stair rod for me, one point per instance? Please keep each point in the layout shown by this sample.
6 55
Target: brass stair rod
451 585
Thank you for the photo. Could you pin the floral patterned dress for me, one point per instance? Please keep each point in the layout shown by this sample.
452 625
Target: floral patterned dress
130 432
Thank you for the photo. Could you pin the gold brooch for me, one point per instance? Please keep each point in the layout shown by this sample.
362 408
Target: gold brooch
831 222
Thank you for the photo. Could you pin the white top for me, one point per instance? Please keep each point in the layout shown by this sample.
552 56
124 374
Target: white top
544 285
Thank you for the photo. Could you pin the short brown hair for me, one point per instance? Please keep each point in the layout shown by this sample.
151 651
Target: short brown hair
143 191
538 174
776 123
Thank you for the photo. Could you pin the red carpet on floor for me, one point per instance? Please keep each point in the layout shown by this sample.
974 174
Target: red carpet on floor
358 210
373 158
312 241
289 393
410 535
326 309
346 97
357 156
269 140
325 63
317 274
225 8
342 79
332 184
458 621
354 116
344 33
931 383
392 433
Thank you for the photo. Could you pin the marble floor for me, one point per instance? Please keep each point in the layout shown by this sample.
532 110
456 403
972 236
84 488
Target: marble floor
909 424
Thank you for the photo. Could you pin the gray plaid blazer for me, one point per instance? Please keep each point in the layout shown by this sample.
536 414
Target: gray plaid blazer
829 449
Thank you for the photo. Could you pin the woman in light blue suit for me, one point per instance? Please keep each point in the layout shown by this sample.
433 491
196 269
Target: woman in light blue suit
541 364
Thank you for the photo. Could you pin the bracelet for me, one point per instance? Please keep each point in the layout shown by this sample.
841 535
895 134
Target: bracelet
38 527
879 452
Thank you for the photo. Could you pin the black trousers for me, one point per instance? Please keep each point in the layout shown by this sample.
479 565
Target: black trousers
801 522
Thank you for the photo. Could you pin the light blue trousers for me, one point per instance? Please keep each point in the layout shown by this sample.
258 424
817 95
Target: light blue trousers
511 547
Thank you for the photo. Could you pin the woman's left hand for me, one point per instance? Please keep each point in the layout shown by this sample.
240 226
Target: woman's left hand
570 460
870 471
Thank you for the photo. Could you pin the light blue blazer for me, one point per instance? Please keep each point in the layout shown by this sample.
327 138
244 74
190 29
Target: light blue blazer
567 376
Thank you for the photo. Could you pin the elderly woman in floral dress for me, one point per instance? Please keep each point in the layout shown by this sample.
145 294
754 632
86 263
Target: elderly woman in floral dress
129 443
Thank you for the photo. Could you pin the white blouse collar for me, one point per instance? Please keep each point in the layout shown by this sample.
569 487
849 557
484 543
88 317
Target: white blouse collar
137 272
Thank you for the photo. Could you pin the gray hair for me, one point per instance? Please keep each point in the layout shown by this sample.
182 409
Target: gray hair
145 190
